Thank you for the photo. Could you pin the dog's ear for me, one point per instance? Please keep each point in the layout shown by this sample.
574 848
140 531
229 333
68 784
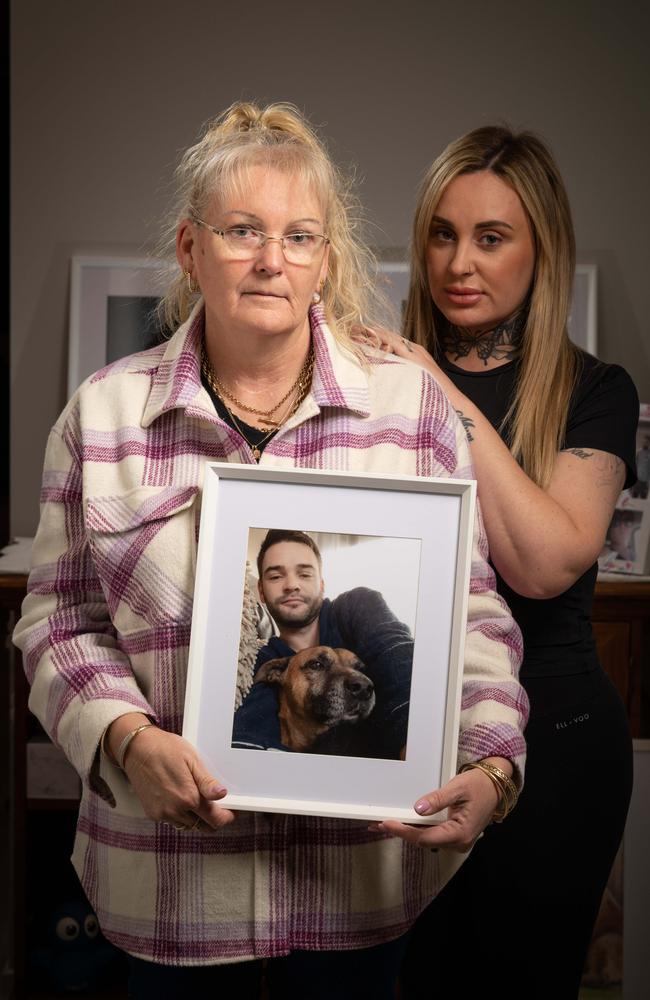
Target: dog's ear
272 672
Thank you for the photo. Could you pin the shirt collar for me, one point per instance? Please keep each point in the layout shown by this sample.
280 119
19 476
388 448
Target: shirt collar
339 379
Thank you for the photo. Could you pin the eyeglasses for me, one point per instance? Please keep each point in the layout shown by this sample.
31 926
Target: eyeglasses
244 243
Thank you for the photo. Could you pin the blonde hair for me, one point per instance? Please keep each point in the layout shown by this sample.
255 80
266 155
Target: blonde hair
279 137
549 365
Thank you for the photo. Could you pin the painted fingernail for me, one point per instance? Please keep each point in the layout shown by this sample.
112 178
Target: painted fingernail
422 807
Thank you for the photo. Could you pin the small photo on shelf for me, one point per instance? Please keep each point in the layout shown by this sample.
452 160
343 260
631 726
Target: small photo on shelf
640 489
627 546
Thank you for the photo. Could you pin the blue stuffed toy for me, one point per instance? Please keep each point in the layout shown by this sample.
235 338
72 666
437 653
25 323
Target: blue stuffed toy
74 956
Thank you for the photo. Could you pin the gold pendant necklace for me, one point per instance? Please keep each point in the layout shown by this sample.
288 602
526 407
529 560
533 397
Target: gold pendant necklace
302 384
217 386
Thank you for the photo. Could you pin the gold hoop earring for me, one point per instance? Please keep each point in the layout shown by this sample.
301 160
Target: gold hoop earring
192 289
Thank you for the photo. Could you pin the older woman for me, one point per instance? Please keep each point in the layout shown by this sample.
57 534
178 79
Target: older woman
262 368
552 434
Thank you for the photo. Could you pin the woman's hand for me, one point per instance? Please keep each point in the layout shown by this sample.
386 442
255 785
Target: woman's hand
471 800
171 781
393 343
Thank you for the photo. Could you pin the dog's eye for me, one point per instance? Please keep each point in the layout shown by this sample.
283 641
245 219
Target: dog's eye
317 665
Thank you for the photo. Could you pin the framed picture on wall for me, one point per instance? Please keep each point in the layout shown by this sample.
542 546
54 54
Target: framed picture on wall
583 316
393 280
332 708
112 311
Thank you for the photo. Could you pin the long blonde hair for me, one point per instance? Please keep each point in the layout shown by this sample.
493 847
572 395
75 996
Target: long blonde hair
536 418
279 137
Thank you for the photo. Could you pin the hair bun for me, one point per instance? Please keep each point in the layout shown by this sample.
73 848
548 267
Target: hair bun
279 121
239 117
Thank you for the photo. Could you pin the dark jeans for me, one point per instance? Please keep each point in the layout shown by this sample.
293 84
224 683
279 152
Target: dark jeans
362 974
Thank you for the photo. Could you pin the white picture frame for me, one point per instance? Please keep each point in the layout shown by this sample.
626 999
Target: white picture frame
394 276
111 304
438 512
583 314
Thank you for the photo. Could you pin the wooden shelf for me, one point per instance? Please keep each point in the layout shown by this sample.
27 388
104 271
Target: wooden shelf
628 587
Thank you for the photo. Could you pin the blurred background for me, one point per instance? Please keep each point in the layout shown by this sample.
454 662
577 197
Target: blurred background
105 96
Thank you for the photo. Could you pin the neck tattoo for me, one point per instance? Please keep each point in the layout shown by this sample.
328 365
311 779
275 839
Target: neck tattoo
503 342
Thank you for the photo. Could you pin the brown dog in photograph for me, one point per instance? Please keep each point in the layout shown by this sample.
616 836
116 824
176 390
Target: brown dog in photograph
318 688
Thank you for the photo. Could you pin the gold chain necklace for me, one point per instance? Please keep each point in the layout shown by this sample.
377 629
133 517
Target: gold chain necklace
303 384
304 378
255 448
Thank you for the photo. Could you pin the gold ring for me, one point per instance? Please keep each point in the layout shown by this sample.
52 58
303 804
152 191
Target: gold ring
181 827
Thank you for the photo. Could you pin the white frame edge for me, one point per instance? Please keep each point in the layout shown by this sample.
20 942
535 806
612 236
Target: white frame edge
465 490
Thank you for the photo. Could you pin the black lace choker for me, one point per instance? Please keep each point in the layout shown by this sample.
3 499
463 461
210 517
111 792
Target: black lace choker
503 342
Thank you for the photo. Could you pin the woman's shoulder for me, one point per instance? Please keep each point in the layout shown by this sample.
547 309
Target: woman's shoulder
604 411
140 363
401 378
600 383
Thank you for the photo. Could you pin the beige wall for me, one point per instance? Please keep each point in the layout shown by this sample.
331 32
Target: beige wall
106 92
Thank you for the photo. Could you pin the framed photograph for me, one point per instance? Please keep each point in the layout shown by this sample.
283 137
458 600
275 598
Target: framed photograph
380 562
583 315
394 277
112 311
394 282
627 546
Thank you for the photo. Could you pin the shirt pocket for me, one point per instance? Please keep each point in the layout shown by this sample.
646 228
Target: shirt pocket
143 547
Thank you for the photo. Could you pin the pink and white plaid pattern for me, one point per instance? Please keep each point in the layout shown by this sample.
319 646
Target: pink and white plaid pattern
105 630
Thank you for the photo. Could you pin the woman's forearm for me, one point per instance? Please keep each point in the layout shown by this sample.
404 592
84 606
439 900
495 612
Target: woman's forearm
538 545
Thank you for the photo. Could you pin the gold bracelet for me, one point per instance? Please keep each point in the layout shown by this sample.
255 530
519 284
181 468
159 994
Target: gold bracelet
103 748
507 784
504 785
124 745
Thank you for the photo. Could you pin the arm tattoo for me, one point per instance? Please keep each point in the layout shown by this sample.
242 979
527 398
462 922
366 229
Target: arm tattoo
608 466
609 469
467 423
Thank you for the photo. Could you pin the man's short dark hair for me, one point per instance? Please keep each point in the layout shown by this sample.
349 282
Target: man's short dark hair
276 535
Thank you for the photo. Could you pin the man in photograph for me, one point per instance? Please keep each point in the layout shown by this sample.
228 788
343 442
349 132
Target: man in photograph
292 588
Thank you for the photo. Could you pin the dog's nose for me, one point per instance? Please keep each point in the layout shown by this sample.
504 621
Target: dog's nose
360 687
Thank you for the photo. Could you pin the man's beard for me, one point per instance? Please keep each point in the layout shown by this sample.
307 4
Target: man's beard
300 618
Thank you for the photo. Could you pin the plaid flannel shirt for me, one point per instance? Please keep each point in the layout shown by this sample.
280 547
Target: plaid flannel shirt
106 625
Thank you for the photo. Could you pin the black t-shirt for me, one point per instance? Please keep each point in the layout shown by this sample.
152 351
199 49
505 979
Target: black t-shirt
603 414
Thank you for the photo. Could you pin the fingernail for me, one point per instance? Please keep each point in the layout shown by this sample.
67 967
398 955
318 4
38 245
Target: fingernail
422 807
217 790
